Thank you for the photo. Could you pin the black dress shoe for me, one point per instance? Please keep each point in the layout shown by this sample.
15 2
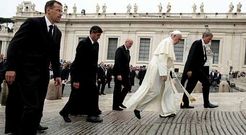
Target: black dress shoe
103 93
186 106
94 119
98 112
209 105
39 131
168 116
137 114
42 128
122 106
117 109
65 117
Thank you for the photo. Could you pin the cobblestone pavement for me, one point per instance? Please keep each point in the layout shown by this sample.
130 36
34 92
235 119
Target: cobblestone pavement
228 119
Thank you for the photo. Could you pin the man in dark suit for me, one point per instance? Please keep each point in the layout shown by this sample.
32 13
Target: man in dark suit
195 70
121 71
101 78
84 95
109 74
65 74
34 46
141 74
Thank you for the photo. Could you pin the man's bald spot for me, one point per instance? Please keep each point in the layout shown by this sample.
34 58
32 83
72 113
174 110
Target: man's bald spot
129 41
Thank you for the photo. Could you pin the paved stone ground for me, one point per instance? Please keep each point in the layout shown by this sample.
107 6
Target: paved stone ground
228 119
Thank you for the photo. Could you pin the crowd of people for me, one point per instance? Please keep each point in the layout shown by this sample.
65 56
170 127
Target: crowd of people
35 49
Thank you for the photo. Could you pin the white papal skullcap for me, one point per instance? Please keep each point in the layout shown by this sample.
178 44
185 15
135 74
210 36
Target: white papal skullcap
176 32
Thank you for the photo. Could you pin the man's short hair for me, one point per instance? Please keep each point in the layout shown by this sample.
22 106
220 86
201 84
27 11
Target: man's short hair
50 4
96 29
207 34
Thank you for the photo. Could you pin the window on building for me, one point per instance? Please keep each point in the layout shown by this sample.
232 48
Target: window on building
112 46
215 49
179 51
144 49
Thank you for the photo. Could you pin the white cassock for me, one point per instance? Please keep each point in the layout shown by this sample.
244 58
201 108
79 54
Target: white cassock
155 94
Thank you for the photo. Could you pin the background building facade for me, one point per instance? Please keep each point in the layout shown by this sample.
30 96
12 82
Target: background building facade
147 30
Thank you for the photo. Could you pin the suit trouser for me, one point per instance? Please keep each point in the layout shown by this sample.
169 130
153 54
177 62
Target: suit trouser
13 110
119 93
109 81
101 85
33 101
31 92
202 76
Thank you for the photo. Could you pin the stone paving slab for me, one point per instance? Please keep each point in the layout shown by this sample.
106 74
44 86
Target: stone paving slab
228 119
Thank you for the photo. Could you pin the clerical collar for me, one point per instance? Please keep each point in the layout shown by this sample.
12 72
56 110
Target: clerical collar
48 23
92 42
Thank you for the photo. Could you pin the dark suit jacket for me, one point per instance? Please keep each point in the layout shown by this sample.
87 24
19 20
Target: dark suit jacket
195 60
84 67
121 63
32 50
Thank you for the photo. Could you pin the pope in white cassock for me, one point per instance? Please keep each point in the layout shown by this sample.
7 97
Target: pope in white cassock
156 93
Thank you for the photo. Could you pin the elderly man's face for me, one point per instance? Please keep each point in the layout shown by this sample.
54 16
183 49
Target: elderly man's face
176 39
129 44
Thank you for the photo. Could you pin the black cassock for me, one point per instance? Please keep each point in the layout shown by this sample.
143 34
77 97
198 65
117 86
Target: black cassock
83 70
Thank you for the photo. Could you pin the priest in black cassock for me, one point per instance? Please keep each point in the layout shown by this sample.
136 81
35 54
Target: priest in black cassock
84 95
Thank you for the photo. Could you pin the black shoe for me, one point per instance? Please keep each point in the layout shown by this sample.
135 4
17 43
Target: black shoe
42 128
65 117
209 105
122 106
137 114
168 116
103 93
98 112
117 109
94 119
186 106
38 131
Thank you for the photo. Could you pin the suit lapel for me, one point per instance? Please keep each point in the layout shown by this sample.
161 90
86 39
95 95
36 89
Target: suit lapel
126 52
44 27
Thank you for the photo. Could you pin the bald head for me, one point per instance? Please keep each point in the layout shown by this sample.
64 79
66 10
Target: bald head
128 43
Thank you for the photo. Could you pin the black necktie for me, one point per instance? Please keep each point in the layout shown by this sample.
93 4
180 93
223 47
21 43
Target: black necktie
205 54
50 30
127 51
